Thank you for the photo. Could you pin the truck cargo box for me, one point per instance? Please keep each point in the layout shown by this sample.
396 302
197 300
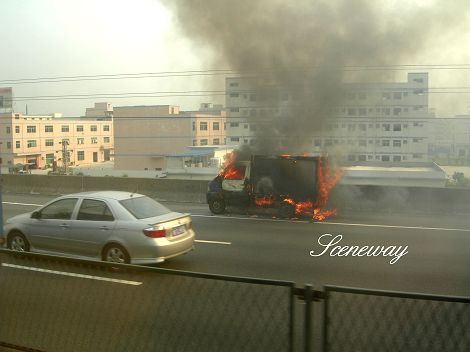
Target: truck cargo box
290 176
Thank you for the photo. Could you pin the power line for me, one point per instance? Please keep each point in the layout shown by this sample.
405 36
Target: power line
212 72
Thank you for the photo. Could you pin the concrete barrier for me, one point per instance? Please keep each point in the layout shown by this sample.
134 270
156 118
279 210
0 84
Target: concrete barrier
347 198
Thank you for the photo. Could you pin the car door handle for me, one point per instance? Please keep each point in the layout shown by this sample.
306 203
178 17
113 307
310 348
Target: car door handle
104 228
64 226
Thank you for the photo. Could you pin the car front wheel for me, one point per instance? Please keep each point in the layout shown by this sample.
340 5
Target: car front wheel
217 206
115 253
17 242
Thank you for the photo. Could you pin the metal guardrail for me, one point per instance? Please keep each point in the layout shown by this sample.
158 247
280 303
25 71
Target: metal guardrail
50 303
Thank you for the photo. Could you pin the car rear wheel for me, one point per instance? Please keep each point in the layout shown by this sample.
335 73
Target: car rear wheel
17 242
115 253
217 206
287 211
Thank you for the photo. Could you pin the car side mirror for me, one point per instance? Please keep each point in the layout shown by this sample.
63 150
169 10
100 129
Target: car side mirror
36 215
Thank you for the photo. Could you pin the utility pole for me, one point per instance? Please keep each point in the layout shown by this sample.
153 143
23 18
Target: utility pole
65 143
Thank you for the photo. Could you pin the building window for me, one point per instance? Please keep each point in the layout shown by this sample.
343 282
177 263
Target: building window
233 124
396 158
32 143
385 158
317 142
396 111
234 109
50 158
362 143
203 126
216 141
386 96
17 144
397 95
417 156
234 95
396 143
362 127
397 127
30 129
81 155
93 128
351 112
362 158
385 143
351 157
215 126
362 111
106 139
65 128
8 145
48 128
80 140
234 139
194 142
233 84
351 127
106 128
49 142
94 140
386 127
328 142
203 141
8 129
79 128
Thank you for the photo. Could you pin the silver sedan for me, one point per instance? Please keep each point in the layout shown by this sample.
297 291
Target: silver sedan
111 226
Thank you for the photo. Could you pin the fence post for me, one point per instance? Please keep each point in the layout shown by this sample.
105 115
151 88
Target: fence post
308 318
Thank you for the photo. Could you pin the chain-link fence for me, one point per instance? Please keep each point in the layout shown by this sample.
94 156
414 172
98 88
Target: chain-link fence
364 320
62 305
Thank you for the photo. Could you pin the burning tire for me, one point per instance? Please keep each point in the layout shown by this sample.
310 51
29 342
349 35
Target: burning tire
287 211
217 206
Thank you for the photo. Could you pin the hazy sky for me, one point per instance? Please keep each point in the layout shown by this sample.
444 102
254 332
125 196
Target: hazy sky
52 38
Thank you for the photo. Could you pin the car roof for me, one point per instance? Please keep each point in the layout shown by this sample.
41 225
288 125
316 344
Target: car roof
117 195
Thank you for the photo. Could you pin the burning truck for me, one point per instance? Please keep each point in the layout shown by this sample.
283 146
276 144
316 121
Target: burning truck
292 186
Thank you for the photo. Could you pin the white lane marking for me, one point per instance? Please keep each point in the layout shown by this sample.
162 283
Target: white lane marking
64 273
214 242
26 204
335 223
395 226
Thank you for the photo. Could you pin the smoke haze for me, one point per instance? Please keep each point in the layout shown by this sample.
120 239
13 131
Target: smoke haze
304 46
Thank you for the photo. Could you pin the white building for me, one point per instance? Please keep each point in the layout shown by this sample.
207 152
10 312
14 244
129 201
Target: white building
376 122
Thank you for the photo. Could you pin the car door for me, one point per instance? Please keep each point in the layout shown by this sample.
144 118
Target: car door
50 230
93 226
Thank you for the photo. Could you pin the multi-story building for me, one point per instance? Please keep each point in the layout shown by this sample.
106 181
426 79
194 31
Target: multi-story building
146 135
47 140
386 122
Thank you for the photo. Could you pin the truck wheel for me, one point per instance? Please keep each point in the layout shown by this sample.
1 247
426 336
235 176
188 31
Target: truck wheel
287 211
217 206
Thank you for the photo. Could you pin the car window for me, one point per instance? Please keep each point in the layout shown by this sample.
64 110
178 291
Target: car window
62 209
144 207
94 210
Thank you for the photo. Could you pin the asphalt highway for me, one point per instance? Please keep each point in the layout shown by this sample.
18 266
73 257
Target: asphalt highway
434 259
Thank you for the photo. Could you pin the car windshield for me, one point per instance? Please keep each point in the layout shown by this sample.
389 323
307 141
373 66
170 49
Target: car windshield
144 207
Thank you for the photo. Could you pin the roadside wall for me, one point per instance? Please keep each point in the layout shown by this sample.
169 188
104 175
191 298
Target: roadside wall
347 198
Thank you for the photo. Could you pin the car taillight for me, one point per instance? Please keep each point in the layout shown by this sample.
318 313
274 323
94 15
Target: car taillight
154 233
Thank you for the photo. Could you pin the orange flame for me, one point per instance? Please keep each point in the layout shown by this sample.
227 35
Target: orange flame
263 201
326 180
233 173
